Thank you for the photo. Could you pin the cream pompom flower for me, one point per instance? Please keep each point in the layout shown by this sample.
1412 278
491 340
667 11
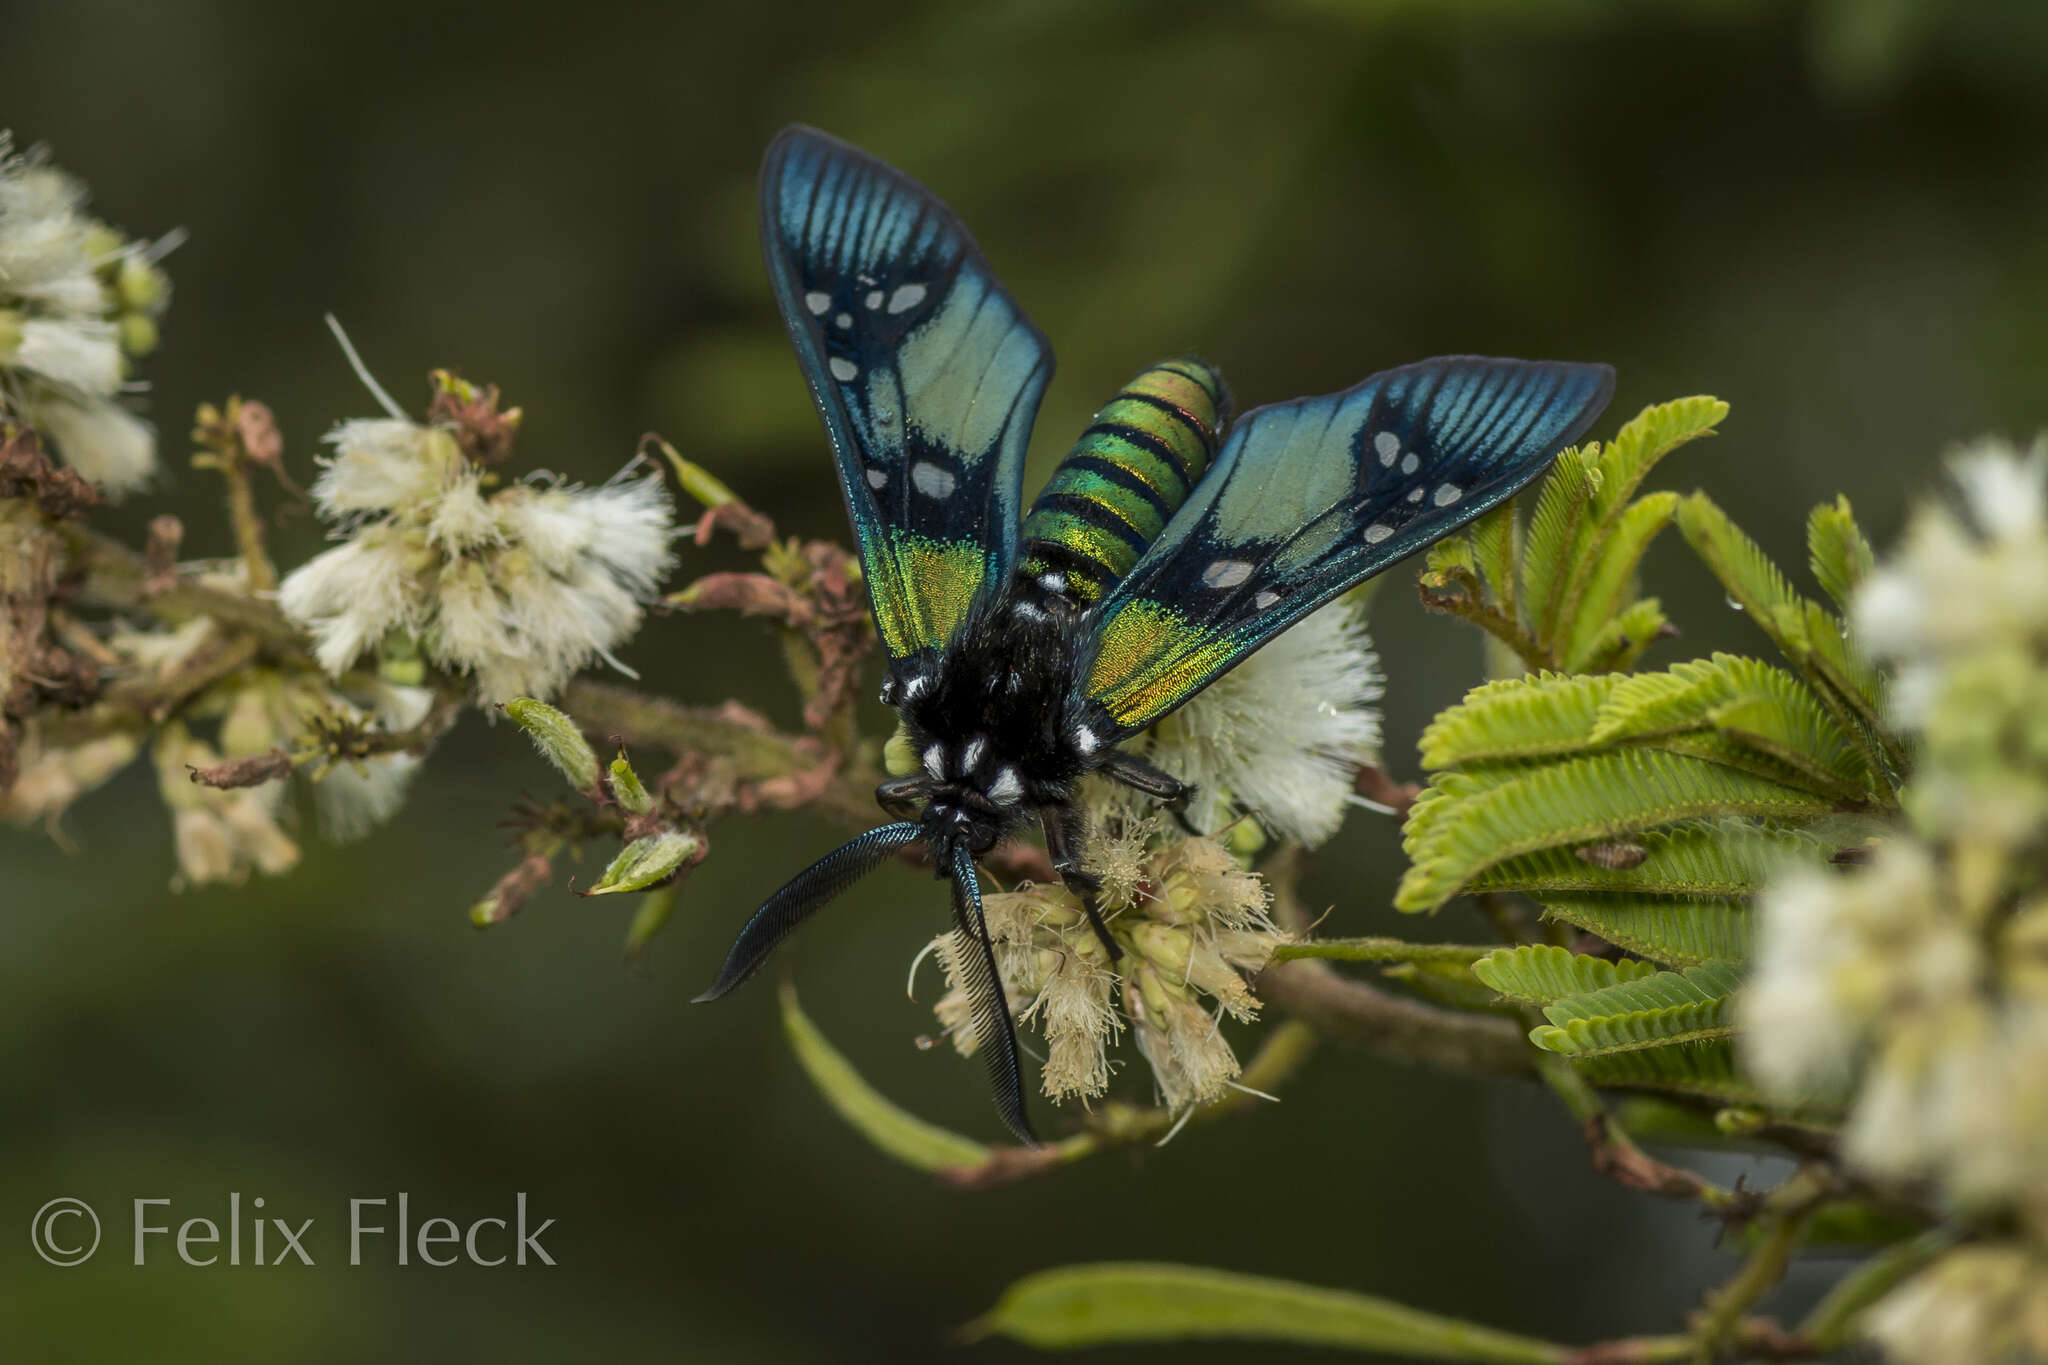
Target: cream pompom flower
517 587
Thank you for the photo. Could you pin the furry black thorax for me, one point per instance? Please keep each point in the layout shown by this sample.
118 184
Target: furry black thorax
999 729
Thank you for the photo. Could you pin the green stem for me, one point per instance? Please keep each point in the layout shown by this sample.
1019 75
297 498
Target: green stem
1829 1325
1788 1209
1381 950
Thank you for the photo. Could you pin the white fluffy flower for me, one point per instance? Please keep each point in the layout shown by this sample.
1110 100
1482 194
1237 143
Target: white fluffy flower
1840 953
518 588
101 440
1283 733
351 595
74 300
1955 585
82 354
386 464
355 797
1978 1305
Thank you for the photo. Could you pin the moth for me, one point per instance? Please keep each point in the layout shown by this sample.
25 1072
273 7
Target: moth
1170 544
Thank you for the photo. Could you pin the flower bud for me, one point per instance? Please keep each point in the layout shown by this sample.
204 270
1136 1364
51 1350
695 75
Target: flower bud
139 286
1165 947
558 740
632 796
648 862
139 334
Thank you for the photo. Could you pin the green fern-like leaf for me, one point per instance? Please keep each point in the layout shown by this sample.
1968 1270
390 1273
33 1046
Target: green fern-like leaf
1547 560
1765 709
1448 557
1541 973
1776 713
1647 438
1649 704
1516 718
1467 822
1656 1010
1839 554
1605 585
1494 546
1706 861
1622 641
1703 1070
1677 933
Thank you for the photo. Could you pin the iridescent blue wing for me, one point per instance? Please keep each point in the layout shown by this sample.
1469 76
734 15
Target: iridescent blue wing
928 377
1310 497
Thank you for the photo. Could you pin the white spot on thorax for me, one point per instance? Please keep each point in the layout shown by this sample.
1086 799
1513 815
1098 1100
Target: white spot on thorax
1377 532
1006 788
843 370
1053 582
1388 445
1447 493
1029 611
1086 740
916 687
934 762
879 478
932 480
970 757
874 298
1226 573
1411 462
818 301
905 298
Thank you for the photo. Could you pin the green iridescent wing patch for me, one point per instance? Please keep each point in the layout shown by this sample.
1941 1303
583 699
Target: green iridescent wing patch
1310 498
926 373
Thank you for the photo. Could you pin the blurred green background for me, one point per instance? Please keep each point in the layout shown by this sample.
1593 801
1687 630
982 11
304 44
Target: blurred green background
1830 215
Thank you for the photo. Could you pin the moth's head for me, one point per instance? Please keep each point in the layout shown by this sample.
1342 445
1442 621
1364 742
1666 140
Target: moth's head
950 822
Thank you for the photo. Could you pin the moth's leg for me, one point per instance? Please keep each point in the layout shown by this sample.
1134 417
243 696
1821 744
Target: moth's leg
1063 842
1136 773
900 795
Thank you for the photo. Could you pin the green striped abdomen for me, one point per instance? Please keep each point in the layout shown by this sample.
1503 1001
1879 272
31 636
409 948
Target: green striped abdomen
1115 490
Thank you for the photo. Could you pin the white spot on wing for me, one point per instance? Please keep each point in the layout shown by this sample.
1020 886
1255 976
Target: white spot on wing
843 370
1377 532
1265 599
932 480
934 762
879 478
1446 494
1415 493
1226 573
874 298
843 320
905 298
1388 445
1006 788
818 301
1411 462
